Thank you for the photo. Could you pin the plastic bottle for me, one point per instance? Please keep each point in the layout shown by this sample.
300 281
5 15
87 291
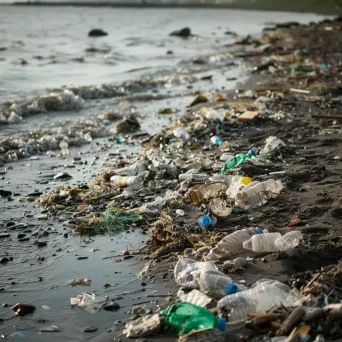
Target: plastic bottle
259 299
233 243
193 176
214 283
215 140
206 221
257 193
186 317
262 243
132 170
135 182
64 147
237 160
288 241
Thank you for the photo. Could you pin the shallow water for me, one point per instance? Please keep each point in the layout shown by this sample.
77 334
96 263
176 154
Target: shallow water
53 41
137 44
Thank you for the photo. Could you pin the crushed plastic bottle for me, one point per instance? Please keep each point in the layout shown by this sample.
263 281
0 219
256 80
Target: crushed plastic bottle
257 193
215 283
288 241
215 140
237 160
233 243
262 243
64 148
206 221
186 317
135 182
259 299
273 242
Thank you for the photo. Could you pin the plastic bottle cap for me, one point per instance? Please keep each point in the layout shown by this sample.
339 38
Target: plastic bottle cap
253 153
259 231
231 289
221 324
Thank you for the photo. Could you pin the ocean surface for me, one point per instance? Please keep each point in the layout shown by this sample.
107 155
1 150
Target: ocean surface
47 47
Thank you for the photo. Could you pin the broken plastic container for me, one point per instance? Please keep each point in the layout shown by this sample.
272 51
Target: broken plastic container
233 243
257 193
237 183
132 170
200 193
259 299
186 317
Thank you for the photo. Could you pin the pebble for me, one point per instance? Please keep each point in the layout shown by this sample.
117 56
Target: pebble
42 217
82 258
21 235
41 244
4 260
112 306
90 329
4 235
66 235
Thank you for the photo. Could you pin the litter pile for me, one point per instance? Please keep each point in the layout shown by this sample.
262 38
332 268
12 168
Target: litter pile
231 180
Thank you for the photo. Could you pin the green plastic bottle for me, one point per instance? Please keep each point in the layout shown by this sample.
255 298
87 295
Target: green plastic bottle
186 317
237 160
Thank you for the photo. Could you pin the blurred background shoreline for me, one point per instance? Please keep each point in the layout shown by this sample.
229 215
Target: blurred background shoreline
333 7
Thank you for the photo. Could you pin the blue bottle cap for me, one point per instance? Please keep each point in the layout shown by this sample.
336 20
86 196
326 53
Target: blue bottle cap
221 324
231 289
253 153
259 231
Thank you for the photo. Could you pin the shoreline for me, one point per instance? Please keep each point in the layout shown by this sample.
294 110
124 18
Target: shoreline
302 169
327 11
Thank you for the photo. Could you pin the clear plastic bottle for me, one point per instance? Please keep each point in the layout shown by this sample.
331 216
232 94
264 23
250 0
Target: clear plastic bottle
262 243
257 193
187 317
237 160
288 241
215 283
64 148
259 299
193 176
132 170
233 243
135 182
